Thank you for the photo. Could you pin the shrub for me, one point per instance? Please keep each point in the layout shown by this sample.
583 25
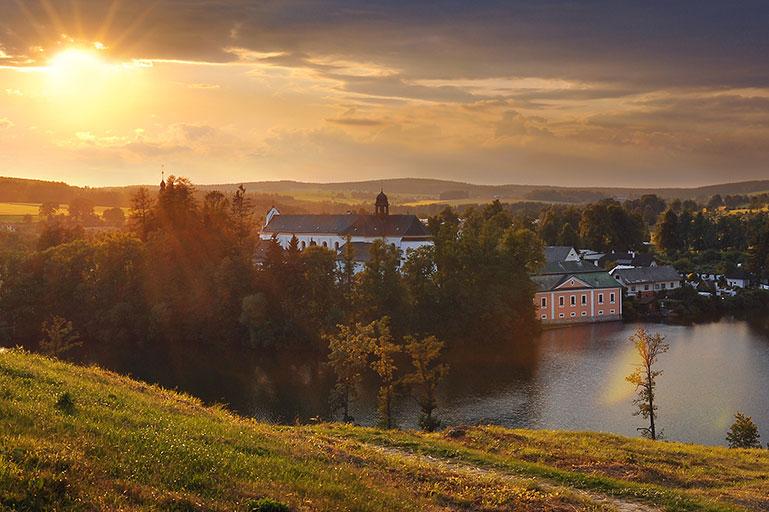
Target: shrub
66 403
266 505
743 433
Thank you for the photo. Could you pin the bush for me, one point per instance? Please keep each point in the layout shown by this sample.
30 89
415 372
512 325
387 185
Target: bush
66 403
743 433
266 505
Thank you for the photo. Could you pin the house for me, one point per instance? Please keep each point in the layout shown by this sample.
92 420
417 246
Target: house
643 259
737 278
555 253
647 281
579 297
626 259
333 231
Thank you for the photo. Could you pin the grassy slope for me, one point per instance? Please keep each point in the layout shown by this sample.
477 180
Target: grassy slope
131 446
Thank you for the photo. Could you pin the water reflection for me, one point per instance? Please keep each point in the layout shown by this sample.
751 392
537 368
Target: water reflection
570 378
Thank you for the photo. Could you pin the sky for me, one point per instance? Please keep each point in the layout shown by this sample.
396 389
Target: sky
576 93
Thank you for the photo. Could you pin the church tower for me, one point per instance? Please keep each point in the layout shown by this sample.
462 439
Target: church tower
382 205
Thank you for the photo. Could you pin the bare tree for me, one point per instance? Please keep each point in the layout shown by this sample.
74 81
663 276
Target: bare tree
649 347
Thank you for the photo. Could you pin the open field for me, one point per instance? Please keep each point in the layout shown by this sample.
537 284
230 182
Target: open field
15 212
76 438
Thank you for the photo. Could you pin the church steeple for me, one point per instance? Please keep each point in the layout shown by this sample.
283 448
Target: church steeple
162 179
382 205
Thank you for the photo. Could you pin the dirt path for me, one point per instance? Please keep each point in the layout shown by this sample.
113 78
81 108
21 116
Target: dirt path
590 497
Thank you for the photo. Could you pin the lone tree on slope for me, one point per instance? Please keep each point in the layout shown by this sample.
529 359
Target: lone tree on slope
649 347
743 433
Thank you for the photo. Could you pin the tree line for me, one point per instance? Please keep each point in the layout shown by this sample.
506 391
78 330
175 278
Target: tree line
182 274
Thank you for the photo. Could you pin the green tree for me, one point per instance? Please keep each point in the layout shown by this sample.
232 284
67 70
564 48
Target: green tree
140 215
644 378
114 217
428 372
383 349
420 280
743 433
59 337
347 274
80 211
715 202
348 357
668 236
380 290
254 316
319 295
568 236
48 209
243 216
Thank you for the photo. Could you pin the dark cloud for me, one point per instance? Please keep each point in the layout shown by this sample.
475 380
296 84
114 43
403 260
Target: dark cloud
654 43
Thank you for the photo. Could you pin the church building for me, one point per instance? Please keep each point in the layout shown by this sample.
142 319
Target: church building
332 231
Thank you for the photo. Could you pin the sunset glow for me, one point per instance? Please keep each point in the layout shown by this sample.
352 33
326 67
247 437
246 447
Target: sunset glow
491 94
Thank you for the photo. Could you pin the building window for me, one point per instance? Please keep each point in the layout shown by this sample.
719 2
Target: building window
560 301
632 288
664 285
584 313
544 317
325 245
600 312
672 285
573 314
612 297
304 244
544 302
646 287
573 300
336 245
560 315
611 311
584 299
600 298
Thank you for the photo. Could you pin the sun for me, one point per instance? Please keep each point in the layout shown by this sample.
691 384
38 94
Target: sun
75 60
74 70
83 84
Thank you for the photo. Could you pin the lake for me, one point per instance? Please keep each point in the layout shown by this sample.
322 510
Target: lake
571 378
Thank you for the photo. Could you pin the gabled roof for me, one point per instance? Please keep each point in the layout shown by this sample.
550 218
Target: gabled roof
601 279
646 274
643 259
737 274
555 253
350 224
615 257
361 251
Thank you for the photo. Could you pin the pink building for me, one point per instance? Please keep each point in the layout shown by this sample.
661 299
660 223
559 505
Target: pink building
577 297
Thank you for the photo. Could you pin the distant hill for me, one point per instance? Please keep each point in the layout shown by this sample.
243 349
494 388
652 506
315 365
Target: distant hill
80 438
402 191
